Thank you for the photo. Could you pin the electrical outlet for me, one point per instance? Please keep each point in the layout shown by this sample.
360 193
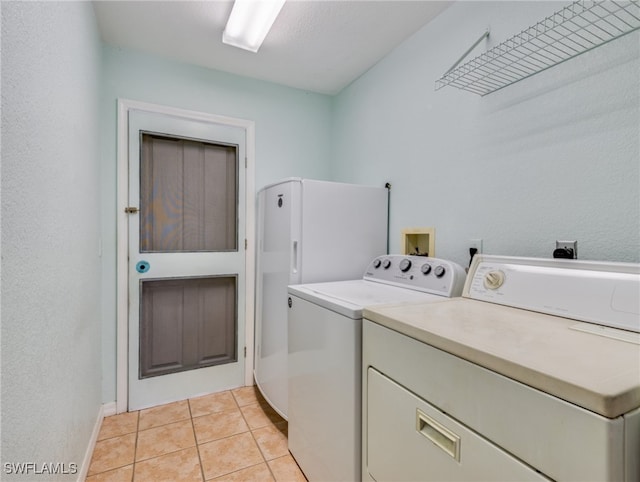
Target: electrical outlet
477 244
566 247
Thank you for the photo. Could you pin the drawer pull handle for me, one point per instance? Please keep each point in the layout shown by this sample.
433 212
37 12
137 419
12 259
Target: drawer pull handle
442 437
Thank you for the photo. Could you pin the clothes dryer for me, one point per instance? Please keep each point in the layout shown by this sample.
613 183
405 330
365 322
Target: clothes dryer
532 375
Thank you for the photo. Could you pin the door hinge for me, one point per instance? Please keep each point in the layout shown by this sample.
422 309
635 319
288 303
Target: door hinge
131 210
245 352
245 162
246 244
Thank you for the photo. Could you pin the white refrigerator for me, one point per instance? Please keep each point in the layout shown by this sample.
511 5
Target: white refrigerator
308 231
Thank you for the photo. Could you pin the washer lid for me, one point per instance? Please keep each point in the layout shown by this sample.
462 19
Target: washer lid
349 297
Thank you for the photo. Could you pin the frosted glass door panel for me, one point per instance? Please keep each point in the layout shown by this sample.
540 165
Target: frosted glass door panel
187 324
188 195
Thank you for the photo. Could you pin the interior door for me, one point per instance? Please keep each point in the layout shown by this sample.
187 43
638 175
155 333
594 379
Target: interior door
186 258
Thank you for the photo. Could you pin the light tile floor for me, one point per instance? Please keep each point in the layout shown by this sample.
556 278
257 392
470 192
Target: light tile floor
227 436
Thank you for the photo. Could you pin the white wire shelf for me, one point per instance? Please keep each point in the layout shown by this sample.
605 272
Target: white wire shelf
577 28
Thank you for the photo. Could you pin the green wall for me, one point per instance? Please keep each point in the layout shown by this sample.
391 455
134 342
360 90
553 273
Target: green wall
293 138
553 157
51 321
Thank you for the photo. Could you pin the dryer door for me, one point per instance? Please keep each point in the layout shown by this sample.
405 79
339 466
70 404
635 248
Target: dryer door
409 439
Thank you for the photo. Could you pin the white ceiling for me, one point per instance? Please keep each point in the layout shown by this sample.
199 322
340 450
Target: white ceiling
315 45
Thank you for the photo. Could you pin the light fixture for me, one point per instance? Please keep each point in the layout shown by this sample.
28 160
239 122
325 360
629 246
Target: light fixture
249 23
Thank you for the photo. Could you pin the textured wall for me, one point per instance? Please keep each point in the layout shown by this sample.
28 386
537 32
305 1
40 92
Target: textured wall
50 233
293 130
555 156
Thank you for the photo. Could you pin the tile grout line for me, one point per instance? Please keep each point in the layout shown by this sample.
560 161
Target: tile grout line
273 476
135 447
164 425
239 409
197 444
113 469
195 437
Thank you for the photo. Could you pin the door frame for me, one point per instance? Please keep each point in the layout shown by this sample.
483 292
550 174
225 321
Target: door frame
122 229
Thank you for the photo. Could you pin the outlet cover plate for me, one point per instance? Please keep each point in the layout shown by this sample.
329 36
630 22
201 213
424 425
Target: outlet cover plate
568 245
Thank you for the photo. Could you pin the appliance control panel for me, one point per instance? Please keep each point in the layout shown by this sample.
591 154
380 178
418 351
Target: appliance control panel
431 275
597 292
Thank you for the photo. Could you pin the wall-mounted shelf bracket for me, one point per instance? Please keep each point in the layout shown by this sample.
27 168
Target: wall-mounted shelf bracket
464 55
577 28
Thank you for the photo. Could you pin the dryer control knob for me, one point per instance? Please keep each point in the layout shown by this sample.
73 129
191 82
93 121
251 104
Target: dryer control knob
405 265
426 268
439 271
494 279
376 263
386 263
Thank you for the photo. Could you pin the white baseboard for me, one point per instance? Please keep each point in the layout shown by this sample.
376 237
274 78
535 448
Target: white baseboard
104 411
109 409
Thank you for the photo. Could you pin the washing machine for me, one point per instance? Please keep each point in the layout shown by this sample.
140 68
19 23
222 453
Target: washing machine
325 350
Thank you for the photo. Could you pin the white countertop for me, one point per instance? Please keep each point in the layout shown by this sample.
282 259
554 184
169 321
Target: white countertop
592 371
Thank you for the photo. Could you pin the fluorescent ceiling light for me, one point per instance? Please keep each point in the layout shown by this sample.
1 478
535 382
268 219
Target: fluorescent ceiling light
250 22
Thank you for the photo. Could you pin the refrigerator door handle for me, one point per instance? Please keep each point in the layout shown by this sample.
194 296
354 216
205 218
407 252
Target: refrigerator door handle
294 261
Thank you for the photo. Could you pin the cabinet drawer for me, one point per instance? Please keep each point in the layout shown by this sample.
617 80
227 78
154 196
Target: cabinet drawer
408 439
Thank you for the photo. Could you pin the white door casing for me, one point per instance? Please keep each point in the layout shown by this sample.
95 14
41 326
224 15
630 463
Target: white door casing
132 117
